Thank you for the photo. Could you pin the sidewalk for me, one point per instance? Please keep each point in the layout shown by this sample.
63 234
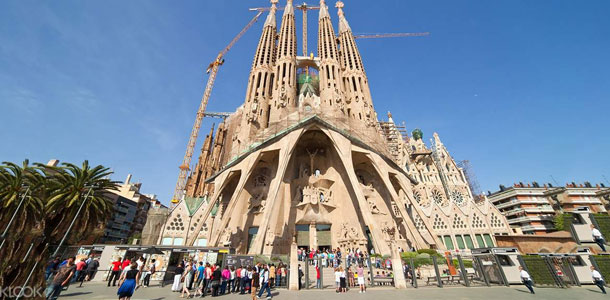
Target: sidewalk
100 291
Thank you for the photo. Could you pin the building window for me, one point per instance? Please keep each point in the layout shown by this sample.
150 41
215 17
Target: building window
469 242
480 241
449 242
488 240
460 242
166 241
202 242
179 241
440 238
252 231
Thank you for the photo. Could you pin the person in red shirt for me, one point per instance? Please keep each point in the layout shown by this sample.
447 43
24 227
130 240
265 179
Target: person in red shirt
116 271
80 266
126 263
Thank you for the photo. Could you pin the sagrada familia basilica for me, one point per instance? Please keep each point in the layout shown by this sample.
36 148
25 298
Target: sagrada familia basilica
305 159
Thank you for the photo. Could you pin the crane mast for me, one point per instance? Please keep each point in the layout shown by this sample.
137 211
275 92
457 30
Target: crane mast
212 70
386 35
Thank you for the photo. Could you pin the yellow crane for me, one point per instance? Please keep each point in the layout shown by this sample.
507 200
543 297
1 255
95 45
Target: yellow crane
385 35
212 70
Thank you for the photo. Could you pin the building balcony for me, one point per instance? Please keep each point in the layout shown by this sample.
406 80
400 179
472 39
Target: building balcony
536 228
507 204
512 212
540 209
529 219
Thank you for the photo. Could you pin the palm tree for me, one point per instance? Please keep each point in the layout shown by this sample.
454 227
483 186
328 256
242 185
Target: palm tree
21 195
56 194
70 185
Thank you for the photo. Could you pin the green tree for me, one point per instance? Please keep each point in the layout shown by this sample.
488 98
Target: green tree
19 183
54 198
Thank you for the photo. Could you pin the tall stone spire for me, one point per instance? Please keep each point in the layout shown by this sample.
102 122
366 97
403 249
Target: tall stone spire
331 91
355 82
258 95
285 85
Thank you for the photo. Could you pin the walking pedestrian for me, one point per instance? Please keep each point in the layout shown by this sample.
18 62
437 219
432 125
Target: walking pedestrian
598 237
187 278
264 282
115 271
80 270
52 268
90 271
526 279
128 282
598 279
254 283
61 279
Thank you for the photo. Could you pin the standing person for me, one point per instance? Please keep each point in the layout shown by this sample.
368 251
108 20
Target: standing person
126 265
598 279
350 278
152 268
338 280
61 279
264 282
231 285
271 275
300 276
342 280
116 271
361 282
216 276
199 275
128 282
278 275
598 237
187 278
224 280
90 271
254 283
526 279
177 278
318 283
237 283
244 279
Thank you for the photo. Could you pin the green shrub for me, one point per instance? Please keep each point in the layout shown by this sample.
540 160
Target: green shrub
428 251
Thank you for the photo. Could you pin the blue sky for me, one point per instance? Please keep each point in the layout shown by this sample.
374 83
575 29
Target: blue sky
519 88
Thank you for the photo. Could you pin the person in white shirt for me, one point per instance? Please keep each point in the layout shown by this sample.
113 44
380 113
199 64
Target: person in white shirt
526 279
598 279
598 237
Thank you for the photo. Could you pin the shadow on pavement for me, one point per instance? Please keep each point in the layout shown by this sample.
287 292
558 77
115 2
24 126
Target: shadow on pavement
74 294
595 291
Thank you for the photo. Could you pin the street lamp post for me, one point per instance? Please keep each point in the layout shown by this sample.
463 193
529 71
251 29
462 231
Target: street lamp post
72 223
13 217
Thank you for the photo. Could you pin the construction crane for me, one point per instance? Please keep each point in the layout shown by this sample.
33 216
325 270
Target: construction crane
302 7
386 35
220 115
212 70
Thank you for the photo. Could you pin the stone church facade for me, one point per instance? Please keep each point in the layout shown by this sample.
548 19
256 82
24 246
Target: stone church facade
305 160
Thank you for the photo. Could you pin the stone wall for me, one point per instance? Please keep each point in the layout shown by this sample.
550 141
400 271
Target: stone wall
556 242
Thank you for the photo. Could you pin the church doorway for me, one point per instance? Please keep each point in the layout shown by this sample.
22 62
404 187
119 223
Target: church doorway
323 237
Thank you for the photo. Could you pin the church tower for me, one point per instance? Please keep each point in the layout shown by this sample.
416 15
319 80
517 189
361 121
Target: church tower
330 80
285 82
259 91
355 82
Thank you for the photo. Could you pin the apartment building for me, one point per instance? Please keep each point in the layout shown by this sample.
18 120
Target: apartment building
531 208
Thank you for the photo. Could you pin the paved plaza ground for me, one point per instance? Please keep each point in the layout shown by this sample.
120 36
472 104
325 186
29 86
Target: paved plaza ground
100 291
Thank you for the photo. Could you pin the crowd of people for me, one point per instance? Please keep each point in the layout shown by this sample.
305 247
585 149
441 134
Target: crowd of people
194 279
59 274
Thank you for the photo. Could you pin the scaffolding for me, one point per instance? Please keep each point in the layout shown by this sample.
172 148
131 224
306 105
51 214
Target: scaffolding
472 180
